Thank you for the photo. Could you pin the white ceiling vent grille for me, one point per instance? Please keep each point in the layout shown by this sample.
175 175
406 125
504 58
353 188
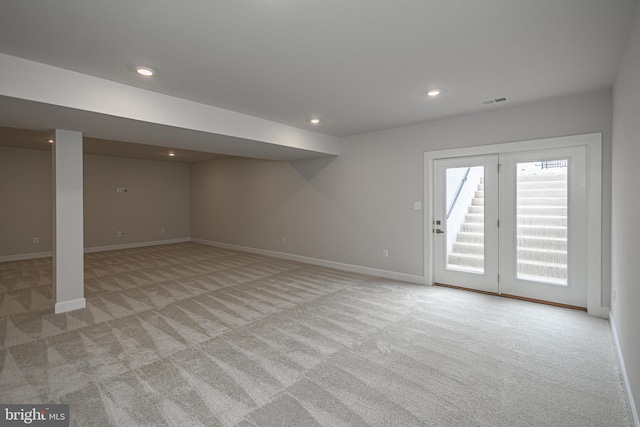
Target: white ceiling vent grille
494 101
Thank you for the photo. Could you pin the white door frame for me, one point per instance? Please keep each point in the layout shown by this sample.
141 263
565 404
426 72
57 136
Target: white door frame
593 145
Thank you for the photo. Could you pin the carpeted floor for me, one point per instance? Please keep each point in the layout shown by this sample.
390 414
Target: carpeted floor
190 335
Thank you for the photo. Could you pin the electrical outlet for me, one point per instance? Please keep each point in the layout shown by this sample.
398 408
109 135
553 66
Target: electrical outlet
614 295
36 240
162 230
385 253
118 190
284 240
215 232
120 233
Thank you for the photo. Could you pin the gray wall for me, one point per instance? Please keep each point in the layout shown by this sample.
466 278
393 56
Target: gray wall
25 201
157 197
348 209
626 207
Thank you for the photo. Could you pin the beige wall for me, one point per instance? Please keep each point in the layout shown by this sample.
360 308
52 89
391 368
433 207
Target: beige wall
157 197
626 209
349 208
25 201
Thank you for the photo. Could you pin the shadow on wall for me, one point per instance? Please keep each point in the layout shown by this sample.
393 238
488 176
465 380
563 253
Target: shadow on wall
310 168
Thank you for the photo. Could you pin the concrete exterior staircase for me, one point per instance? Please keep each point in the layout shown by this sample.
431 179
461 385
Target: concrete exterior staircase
541 230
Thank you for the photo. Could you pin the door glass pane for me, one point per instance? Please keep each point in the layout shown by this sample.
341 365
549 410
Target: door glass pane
465 219
542 221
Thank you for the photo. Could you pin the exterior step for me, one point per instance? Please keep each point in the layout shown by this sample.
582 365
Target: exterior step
470 254
541 231
472 227
527 185
475 223
542 201
474 218
542 210
539 178
554 211
542 255
468 248
471 237
542 220
468 268
531 242
544 243
523 229
543 271
541 192
466 261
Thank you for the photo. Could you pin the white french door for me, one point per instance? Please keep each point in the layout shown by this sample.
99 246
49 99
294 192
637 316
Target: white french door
466 222
543 226
514 224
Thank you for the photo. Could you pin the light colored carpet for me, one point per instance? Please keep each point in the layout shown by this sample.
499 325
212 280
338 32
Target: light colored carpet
191 335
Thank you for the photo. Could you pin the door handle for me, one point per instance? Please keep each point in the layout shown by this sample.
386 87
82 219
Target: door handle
438 231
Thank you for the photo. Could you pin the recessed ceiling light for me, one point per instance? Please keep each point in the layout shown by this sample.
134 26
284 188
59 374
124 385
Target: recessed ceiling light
494 100
434 92
315 121
172 154
144 71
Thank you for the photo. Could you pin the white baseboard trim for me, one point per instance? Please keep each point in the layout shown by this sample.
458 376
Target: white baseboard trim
135 245
74 304
34 255
22 257
632 405
321 262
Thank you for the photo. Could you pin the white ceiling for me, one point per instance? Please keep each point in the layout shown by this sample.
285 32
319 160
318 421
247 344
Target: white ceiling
359 65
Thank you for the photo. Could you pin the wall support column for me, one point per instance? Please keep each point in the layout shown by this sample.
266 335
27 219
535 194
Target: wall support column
68 237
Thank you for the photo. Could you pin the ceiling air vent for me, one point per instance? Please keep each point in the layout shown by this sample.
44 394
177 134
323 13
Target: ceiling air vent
494 101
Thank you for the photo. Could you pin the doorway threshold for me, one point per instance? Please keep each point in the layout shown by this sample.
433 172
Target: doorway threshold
537 301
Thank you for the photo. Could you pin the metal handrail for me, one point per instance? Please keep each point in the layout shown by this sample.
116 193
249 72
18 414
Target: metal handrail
455 199
549 164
